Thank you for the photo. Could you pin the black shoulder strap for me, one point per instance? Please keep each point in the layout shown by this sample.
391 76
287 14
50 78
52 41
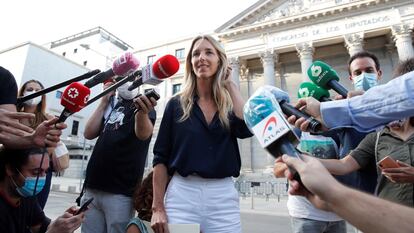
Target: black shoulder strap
78 199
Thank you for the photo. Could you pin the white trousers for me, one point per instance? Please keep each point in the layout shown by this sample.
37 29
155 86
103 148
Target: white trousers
212 203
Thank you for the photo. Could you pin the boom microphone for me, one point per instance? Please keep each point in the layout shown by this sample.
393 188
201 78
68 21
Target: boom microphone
57 86
122 66
115 86
153 74
263 116
308 89
283 100
324 76
74 98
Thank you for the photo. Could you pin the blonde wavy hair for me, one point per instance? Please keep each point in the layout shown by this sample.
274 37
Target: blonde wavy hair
220 94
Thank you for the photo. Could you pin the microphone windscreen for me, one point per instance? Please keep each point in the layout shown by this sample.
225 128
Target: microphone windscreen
125 64
166 66
279 94
321 73
75 97
261 104
308 89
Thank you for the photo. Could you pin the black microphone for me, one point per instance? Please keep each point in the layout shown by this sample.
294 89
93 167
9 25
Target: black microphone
57 86
283 100
114 86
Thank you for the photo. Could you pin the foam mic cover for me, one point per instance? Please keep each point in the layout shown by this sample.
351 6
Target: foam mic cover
324 76
125 64
122 66
263 116
283 100
165 67
74 98
308 89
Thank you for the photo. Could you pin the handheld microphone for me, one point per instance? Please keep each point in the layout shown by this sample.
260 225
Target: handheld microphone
283 100
324 76
122 66
74 98
57 86
153 74
308 89
263 116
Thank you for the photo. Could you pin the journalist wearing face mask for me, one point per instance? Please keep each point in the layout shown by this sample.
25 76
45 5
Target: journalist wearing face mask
22 176
364 70
37 106
125 94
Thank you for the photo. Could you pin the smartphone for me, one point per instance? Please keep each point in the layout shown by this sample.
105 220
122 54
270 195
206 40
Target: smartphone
84 206
152 93
388 162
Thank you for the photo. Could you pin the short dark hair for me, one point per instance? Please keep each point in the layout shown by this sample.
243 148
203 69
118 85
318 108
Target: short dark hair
363 54
404 67
16 158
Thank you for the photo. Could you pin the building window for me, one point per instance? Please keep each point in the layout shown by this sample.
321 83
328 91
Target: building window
64 54
150 59
75 126
179 53
58 94
176 88
75 50
85 63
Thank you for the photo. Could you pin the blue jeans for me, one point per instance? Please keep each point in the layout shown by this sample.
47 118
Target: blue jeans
301 225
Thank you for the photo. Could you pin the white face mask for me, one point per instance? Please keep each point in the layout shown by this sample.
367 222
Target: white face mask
32 102
125 94
365 81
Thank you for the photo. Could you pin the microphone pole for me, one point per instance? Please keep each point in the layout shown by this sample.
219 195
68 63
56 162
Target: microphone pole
57 86
114 86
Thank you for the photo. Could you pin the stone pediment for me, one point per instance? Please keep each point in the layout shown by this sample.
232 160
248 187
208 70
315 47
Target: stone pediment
265 11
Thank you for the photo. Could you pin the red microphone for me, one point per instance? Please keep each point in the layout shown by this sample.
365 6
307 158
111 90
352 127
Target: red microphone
122 66
165 67
74 98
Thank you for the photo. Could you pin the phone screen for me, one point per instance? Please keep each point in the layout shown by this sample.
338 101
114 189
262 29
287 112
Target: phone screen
84 206
388 162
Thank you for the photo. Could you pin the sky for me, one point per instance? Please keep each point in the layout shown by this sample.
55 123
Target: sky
139 23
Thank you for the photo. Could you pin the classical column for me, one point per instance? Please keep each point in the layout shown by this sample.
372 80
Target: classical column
403 41
305 53
247 152
354 42
280 77
235 70
268 62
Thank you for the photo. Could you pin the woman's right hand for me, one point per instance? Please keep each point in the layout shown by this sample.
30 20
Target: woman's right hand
159 222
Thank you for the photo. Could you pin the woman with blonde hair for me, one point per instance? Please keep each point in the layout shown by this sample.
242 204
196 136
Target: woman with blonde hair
197 146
